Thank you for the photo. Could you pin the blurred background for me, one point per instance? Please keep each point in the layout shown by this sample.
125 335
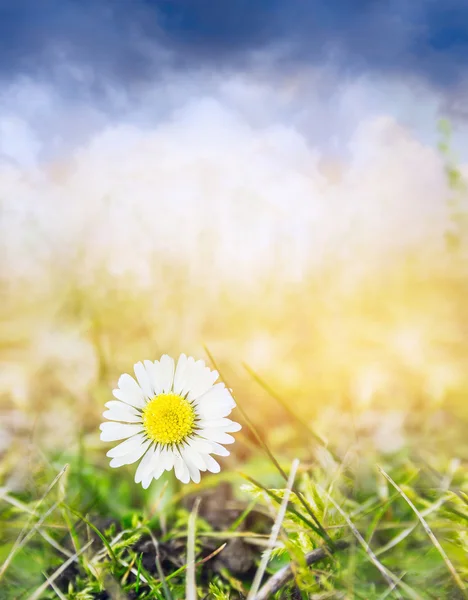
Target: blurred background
271 180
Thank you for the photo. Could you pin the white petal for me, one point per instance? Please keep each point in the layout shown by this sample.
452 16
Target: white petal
143 379
128 446
147 479
214 411
211 464
129 391
189 375
126 382
201 380
200 446
181 470
217 393
215 404
216 435
169 458
119 404
158 470
167 372
144 467
193 458
155 459
180 373
130 398
151 372
119 411
194 473
151 468
111 432
156 377
166 459
218 449
125 417
225 424
131 457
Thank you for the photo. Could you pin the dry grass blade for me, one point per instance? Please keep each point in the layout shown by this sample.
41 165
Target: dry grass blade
389 577
247 419
321 530
159 568
304 425
23 507
390 589
281 578
434 507
22 541
177 572
54 587
38 593
191 584
52 485
274 532
25 535
431 535
113 588
211 555
135 572
95 529
277 499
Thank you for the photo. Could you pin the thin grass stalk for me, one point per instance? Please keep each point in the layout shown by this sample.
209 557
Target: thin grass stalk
191 584
274 532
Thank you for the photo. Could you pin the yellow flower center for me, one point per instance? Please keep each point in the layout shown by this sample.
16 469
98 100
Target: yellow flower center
168 419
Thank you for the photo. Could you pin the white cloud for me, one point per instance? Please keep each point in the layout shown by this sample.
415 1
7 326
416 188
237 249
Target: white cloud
225 171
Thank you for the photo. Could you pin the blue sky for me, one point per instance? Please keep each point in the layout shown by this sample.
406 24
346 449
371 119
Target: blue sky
128 40
67 67
310 126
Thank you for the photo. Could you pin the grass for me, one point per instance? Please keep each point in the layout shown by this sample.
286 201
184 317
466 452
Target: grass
394 526
371 515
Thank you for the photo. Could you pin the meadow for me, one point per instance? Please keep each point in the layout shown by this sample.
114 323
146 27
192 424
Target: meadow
357 368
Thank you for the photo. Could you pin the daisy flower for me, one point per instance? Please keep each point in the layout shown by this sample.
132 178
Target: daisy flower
171 417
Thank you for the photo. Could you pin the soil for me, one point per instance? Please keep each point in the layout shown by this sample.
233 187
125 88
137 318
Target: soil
218 508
